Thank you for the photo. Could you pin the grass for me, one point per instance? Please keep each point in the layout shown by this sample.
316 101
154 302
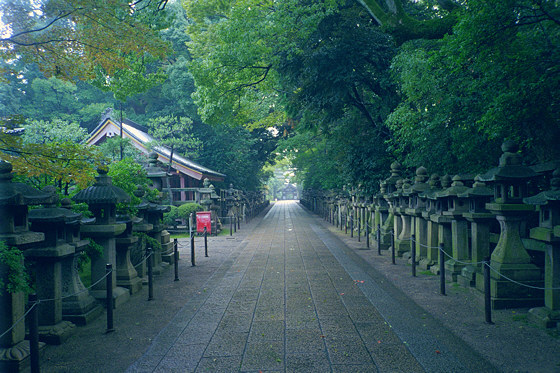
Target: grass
224 232
428 273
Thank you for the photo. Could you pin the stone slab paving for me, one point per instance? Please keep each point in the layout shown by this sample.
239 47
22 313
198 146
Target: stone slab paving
291 298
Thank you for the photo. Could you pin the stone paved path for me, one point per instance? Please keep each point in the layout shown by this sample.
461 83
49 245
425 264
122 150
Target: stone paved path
293 298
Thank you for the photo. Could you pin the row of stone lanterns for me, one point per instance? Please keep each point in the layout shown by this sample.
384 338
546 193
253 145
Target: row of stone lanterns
53 246
465 216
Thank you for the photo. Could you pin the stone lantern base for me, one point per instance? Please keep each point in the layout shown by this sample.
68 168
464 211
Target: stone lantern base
508 294
167 254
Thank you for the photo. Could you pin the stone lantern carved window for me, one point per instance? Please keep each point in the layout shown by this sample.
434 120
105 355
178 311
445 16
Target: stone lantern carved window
545 216
20 218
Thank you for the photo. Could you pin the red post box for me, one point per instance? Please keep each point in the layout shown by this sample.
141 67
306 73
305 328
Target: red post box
203 219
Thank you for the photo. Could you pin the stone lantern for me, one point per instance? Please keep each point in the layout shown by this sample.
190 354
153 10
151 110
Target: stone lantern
402 244
102 199
548 231
381 214
78 306
427 199
443 222
416 205
459 227
158 176
480 220
391 225
14 231
215 207
57 225
206 195
144 227
510 258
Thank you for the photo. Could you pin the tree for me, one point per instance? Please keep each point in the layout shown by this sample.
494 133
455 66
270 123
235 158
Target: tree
495 77
59 35
60 163
435 18
176 133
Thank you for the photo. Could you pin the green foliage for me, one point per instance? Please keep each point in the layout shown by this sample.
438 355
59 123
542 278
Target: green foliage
494 78
176 133
111 148
147 241
128 175
55 131
92 250
169 217
58 34
134 79
185 210
17 279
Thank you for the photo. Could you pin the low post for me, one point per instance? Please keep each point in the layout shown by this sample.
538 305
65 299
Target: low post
176 257
393 248
441 270
234 224
33 320
192 251
205 242
230 226
359 228
378 239
351 226
345 224
109 274
367 235
487 299
150 259
413 254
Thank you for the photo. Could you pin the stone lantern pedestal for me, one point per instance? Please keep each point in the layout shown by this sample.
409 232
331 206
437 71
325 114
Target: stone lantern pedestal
381 216
443 223
548 232
127 277
416 207
14 231
428 199
78 306
480 219
402 240
510 257
102 199
141 226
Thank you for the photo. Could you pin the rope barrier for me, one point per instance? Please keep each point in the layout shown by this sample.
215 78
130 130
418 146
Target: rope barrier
53 299
517 282
18 320
143 260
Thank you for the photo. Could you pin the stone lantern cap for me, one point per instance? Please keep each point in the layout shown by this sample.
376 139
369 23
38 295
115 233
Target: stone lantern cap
510 166
54 215
153 170
139 193
391 181
478 190
432 189
18 194
457 187
420 184
543 198
102 192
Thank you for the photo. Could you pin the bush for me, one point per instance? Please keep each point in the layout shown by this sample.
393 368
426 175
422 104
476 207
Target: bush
17 278
185 210
169 217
